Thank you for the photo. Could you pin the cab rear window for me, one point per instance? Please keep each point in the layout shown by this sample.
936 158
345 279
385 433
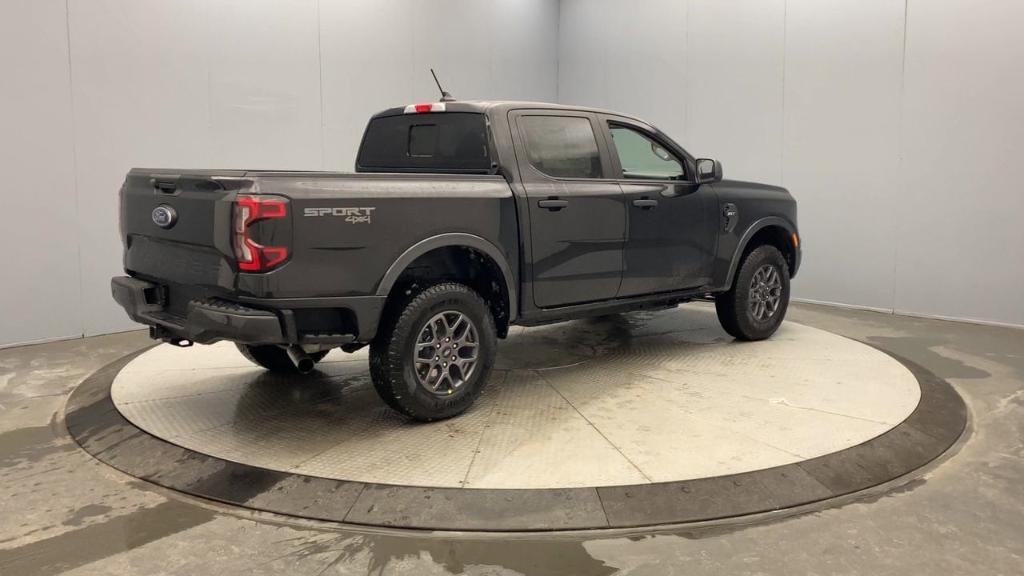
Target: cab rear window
434 142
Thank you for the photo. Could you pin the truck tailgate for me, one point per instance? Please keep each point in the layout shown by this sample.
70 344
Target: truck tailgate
176 225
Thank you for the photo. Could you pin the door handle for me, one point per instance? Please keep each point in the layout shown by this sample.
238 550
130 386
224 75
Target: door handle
645 203
553 204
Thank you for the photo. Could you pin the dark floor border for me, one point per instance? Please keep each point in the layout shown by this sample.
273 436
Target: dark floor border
100 429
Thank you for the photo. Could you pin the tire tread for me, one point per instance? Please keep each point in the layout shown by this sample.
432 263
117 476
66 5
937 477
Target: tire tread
731 306
387 356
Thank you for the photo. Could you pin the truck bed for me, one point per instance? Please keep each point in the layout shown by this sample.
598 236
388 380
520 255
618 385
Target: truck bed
342 230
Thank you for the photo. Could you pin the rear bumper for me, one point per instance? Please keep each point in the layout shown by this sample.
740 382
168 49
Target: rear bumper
256 321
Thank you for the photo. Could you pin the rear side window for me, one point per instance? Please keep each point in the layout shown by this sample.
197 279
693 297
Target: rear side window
562 146
438 142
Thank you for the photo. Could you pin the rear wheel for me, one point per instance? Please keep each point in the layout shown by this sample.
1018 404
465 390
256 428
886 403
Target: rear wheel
756 304
432 357
274 358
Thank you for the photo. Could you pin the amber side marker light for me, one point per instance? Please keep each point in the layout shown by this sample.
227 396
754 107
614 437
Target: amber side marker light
796 240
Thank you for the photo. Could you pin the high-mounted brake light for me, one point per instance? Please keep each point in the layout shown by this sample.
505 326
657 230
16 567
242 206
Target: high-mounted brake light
252 256
422 108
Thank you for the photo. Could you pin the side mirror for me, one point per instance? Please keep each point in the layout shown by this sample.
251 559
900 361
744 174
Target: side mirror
708 170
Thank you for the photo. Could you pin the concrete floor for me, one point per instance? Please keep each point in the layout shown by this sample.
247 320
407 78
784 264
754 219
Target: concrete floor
63 512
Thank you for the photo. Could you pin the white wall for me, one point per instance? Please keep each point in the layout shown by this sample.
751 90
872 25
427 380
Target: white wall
897 126
376 54
606 52
841 139
224 84
961 253
39 275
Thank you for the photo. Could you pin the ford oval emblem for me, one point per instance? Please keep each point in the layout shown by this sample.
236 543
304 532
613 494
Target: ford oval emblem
164 216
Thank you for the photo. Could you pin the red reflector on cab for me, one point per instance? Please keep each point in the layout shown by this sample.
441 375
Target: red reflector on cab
423 108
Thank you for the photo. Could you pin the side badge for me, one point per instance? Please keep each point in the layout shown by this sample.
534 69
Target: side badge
164 216
729 219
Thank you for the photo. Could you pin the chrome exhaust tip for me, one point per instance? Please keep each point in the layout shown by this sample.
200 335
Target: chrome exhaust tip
303 363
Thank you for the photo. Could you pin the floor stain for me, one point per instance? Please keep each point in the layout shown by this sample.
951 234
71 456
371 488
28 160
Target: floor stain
30 444
102 540
87 511
387 554
922 351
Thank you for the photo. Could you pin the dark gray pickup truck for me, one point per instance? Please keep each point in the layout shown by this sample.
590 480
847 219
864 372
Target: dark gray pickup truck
462 218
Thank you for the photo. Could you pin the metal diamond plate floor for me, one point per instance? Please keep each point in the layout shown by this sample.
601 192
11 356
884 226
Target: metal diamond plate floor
620 400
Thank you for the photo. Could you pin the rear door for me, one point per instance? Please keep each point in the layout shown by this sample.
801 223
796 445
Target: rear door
671 220
577 215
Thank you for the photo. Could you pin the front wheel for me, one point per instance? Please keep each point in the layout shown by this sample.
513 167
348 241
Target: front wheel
756 304
431 358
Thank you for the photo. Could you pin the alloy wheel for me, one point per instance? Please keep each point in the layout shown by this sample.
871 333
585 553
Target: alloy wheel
765 293
445 353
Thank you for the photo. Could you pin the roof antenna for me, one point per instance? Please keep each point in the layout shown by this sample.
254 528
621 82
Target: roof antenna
445 97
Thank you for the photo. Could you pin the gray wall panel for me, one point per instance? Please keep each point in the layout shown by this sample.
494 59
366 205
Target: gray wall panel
960 249
614 55
473 57
609 56
183 84
905 176
39 298
646 57
900 147
734 96
582 64
841 150
524 50
196 84
358 82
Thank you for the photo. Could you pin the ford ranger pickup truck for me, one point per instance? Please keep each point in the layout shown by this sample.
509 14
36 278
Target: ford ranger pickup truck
462 218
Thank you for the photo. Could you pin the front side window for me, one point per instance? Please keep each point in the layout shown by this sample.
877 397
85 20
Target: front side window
642 157
562 146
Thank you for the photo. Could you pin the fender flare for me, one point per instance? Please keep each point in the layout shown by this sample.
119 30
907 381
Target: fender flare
754 228
457 239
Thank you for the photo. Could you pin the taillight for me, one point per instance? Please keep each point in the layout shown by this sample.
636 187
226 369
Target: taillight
251 256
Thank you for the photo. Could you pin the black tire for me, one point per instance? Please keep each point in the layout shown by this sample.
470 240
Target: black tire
397 377
273 358
735 312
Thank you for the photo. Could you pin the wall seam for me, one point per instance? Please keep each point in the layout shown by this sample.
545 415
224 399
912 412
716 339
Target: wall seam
782 87
687 135
900 154
74 169
320 66
558 52
490 56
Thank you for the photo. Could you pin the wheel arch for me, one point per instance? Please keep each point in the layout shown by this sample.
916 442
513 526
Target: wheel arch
454 240
773 230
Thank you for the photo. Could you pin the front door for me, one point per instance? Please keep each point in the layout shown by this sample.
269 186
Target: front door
577 216
670 237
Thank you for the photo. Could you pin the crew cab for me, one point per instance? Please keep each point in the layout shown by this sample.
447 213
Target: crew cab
462 218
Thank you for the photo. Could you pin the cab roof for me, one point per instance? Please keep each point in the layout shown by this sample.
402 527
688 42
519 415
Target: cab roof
499 107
